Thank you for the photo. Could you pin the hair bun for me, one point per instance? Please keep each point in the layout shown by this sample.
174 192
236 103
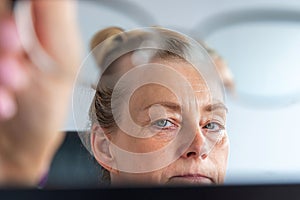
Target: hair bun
103 35
110 43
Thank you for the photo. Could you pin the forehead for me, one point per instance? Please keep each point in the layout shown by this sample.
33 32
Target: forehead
126 63
156 93
189 72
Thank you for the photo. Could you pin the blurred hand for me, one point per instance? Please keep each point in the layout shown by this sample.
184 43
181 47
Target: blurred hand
34 103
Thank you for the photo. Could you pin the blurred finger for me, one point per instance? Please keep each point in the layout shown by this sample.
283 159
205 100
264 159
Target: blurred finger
7 105
9 40
12 74
57 31
4 7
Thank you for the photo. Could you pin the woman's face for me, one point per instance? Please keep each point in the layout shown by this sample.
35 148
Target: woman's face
194 165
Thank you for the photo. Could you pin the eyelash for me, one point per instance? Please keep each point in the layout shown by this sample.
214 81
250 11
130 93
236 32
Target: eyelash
172 126
163 127
219 127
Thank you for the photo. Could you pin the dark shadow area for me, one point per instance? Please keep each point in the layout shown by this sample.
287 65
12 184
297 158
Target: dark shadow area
73 166
249 192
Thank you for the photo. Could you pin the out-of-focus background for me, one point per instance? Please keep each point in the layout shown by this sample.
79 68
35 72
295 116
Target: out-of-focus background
259 40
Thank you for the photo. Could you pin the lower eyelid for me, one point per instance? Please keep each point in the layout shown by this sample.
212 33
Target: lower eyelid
167 134
172 127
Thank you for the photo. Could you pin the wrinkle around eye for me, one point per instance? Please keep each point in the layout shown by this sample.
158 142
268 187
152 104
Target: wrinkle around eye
164 121
219 125
167 133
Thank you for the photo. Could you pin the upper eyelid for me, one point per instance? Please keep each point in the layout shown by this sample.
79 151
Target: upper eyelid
173 117
216 117
171 121
218 113
219 124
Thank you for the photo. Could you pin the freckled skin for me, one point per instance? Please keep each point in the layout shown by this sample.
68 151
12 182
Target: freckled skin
189 168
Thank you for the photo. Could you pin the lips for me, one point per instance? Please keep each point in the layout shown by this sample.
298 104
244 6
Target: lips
190 179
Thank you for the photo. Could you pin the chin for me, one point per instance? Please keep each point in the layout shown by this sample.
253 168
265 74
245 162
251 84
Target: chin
190 180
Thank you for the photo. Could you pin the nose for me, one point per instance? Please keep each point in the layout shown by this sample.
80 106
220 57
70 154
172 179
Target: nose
196 149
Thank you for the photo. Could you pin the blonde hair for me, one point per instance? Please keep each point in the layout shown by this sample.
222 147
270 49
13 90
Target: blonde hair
175 46
115 39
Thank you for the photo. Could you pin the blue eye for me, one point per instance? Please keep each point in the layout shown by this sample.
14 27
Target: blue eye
213 126
163 123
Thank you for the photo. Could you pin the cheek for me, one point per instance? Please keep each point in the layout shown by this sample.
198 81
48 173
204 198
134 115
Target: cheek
219 157
146 145
138 145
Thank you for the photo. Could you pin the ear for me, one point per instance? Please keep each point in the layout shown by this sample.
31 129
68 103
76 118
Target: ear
100 145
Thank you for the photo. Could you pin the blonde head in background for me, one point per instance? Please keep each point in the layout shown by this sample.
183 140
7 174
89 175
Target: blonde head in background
158 115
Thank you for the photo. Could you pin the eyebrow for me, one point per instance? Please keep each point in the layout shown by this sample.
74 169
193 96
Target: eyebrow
176 107
173 106
215 106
